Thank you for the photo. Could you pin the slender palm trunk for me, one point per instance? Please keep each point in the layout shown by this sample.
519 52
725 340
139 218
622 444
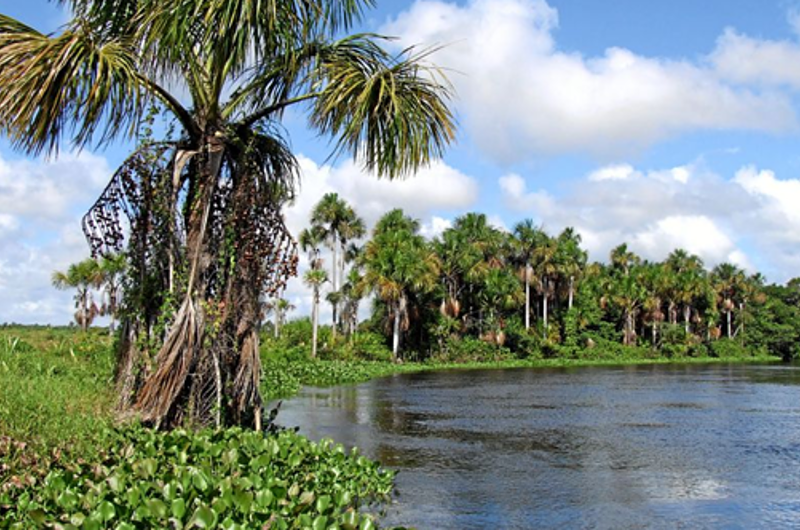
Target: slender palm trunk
728 314
687 314
629 331
314 323
544 307
571 290
527 297
335 286
277 322
396 333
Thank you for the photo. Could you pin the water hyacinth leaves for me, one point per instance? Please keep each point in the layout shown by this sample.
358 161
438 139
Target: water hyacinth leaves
225 479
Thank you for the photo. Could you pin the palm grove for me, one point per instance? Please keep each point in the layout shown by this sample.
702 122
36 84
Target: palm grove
477 293
198 210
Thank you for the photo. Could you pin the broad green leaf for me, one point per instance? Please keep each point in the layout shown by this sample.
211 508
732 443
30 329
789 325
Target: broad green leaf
178 508
106 511
203 517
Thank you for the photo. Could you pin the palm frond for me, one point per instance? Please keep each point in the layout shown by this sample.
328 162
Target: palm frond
68 85
389 112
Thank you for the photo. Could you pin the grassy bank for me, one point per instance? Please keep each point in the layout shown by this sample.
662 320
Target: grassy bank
65 462
284 379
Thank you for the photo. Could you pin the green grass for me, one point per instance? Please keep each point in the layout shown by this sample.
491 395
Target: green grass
57 387
65 463
284 379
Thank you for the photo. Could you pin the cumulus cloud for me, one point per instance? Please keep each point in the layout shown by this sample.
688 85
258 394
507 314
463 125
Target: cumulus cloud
433 191
687 206
519 199
519 94
40 231
744 59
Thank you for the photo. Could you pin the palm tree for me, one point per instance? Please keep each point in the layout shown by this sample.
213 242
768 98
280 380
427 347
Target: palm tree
310 240
526 238
279 307
339 224
572 260
112 270
689 280
83 276
398 263
546 270
314 278
728 280
206 205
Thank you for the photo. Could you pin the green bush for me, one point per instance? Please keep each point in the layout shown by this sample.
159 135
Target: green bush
469 349
230 479
728 349
365 345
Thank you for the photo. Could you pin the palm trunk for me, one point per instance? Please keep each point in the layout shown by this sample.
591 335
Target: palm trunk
277 322
314 323
335 287
396 333
571 291
729 322
544 308
527 297
687 314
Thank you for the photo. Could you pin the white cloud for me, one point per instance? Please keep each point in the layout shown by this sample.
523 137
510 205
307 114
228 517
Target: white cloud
780 199
696 234
435 227
520 95
614 172
40 232
745 59
519 199
437 188
750 220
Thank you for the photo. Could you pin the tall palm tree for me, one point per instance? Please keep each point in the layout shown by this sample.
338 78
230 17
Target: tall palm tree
112 270
279 307
204 207
572 260
689 280
82 276
340 224
526 237
729 281
315 278
546 269
397 263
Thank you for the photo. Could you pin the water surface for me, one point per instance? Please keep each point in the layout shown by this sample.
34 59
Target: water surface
689 446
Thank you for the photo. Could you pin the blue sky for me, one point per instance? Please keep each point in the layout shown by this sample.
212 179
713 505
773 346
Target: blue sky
662 124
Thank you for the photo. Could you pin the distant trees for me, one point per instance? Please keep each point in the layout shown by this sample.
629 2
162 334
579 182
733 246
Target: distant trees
528 290
104 275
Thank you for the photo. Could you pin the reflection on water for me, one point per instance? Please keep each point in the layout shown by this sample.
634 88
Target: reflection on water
690 446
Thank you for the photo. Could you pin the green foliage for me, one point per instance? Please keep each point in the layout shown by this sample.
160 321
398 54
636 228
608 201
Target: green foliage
208 479
56 387
729 349
469 349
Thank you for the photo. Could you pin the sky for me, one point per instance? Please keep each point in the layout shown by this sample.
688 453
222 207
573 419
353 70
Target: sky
664 124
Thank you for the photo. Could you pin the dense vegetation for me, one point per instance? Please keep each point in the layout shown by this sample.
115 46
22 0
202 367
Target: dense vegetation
197 211
67 462
477 293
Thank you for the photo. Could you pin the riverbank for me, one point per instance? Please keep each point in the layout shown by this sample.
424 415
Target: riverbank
284 379
67 462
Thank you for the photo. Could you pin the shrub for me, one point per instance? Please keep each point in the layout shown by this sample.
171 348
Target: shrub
728 349
230 479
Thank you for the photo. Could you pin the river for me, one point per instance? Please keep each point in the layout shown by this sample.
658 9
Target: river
660 446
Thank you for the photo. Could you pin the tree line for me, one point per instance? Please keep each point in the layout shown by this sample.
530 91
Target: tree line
528 291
